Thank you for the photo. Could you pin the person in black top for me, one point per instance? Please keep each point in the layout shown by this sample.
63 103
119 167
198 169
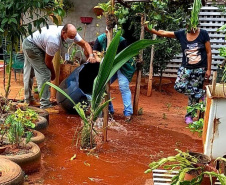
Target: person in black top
196 63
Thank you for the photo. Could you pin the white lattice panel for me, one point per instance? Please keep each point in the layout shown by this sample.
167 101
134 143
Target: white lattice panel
210 19
163 177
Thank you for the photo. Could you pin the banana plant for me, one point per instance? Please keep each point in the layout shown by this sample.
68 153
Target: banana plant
108 67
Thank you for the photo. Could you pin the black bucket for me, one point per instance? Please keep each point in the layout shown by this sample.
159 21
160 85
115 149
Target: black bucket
78 85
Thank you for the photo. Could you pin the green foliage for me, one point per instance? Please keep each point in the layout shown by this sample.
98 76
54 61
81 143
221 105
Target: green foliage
194 21
197 126
72 50
13 25
224 76
194 108
122 14
27 117
160 15
184 162
15 132
106 7
36 90
4 106
68 4
17 126
220 5
223 51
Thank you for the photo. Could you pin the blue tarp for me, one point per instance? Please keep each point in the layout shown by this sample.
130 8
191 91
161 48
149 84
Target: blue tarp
78 85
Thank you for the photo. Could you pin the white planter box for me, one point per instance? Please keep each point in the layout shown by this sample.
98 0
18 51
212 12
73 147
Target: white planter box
214 130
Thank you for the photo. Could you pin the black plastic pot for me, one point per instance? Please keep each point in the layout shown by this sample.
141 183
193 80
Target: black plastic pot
78 85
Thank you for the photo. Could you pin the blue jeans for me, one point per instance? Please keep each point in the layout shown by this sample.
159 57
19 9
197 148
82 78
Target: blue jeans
126 93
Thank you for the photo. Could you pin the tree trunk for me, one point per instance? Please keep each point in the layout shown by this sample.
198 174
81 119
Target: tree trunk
139 70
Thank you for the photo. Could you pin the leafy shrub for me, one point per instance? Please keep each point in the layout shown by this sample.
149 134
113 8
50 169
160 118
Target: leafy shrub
197 126
192 109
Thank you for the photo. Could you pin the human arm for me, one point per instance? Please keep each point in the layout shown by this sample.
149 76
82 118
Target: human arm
97 51
49 64
85 45
209 59
161 33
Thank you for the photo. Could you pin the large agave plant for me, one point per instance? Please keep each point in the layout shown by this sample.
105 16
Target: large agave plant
110 64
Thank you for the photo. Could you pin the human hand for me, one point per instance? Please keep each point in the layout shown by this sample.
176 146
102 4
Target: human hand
208 73
91 59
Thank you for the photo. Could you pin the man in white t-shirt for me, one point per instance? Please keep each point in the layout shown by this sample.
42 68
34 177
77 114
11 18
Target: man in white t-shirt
39 50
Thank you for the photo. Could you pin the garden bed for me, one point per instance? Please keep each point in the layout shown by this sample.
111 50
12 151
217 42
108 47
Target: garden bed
130 147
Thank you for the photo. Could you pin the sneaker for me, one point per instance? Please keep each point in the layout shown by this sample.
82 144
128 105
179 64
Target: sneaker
128 118
188 120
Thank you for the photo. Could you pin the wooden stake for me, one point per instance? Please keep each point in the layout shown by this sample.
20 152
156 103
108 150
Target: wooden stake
107 97
139 71
214 83
150 79
56 65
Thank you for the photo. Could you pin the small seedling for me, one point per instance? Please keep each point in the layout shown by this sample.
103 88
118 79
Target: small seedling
164 116
168 105
140 111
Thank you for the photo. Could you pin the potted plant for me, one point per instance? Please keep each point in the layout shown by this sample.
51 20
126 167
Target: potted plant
36 115
193 169
19 149
71 61
108 67
107 11
28 118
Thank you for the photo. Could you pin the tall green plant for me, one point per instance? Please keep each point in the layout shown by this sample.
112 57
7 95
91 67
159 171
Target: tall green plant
110 64
193 25
13 22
